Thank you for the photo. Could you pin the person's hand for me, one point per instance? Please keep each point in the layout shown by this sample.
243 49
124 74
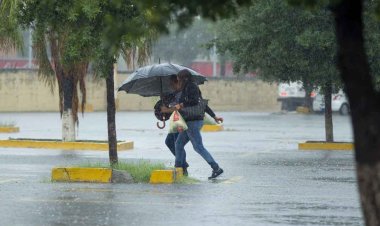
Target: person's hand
178 106
218 119
165 109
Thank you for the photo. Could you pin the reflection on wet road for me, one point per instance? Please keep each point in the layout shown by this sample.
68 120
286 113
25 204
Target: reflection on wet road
267 181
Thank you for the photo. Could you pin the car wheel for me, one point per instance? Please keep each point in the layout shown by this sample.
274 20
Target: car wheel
344 109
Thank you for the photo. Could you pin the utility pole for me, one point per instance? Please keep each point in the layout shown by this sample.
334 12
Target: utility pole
30 49
214 59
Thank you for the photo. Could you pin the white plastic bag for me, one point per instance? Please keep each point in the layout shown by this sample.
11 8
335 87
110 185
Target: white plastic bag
176 123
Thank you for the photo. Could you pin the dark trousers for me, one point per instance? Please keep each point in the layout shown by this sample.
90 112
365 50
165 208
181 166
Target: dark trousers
170 143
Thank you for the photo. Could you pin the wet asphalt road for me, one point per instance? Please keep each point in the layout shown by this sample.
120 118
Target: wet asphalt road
267 181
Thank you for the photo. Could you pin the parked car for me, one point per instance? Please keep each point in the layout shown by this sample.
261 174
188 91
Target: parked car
291 95
339 103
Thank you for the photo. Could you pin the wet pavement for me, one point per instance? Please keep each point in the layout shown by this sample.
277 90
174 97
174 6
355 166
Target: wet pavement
267 180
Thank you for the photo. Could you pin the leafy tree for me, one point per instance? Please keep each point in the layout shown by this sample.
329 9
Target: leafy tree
286 45
77 33
10 34
64 30
354 64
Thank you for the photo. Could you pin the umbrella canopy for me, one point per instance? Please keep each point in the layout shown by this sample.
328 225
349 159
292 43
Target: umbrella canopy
153 80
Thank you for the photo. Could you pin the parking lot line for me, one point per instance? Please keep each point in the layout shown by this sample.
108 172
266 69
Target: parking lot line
9 180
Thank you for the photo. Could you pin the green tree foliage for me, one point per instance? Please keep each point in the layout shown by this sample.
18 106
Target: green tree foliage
372 37
183 46
161 13
284 43
65 30
292 44
77 33
10 33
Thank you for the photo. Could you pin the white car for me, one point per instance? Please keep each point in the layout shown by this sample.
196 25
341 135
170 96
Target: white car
291 95
339 103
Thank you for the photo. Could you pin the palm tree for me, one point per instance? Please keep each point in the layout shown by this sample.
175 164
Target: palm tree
10 34
69 75
66 38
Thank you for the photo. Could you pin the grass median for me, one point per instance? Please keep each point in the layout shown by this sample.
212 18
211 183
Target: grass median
140 170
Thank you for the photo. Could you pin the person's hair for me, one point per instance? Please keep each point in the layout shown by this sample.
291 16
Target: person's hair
173 78
184 76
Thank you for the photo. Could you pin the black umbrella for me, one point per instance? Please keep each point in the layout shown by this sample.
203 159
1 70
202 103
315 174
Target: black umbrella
153 80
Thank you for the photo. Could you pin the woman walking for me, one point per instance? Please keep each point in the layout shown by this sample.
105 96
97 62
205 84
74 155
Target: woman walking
190 96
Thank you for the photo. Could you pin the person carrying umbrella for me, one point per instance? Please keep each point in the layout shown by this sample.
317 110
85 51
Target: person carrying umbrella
152 80
173 99
190 96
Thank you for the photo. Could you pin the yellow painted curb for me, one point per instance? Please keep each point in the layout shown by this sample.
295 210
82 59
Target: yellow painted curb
9 129
167 176
339 146
96 146
304 110
212 128
76 174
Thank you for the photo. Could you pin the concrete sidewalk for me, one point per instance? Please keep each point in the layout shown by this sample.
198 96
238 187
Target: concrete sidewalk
267 181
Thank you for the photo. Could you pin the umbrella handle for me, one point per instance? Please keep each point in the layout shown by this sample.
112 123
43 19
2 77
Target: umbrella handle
161 127
163 124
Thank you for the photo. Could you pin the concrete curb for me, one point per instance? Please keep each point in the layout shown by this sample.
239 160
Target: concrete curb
9 129
92 175
54 144
167 176
315 145
212 128
77 174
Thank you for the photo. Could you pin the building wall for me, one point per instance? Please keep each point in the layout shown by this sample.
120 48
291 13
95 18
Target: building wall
23 91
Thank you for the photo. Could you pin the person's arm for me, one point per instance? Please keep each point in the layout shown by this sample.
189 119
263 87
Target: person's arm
210 111
212 114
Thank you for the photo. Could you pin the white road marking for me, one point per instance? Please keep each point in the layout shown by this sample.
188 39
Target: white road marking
233 180
9 180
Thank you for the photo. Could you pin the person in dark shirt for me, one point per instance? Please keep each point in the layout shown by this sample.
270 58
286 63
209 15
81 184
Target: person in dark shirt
172 99
171 138
190 96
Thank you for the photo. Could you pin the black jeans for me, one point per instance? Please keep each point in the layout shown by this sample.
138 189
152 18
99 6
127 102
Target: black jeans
170 143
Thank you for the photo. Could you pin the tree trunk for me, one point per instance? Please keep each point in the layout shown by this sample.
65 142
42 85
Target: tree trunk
354 71
308 99
328 114
111 111
68 124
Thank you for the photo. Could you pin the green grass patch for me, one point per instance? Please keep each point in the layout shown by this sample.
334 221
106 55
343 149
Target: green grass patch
140 170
